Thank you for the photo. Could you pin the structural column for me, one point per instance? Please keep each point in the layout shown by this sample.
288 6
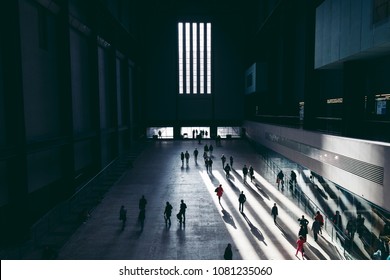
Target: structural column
353 99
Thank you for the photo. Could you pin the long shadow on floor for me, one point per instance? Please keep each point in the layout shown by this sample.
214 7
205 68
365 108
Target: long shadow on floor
255 231
228 218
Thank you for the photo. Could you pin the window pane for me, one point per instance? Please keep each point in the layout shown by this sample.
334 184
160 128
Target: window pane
208 42
180 39
194 57
201 57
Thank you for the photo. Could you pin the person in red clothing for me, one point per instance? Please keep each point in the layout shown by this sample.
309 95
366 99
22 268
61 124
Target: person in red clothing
219 191
300 243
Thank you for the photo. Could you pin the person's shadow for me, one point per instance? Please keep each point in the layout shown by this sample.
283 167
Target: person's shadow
255 231
228 218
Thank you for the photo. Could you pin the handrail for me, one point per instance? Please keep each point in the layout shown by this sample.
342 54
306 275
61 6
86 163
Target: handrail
94 177
310 201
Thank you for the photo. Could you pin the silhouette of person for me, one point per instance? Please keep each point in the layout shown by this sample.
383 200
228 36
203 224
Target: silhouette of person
182 159
231 161
337 221
211 148
304 223
251 173
303 232
359 224
318 217
168 213
223 158
219 191
316 227
241 200
122 216
159 134
142 203
279 179
187 156
274 212
141 218
245 172
293 177
227 170
210 165
351 228
182 212
228 255
196 152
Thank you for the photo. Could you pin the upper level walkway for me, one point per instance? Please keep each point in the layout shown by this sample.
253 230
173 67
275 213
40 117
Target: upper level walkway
159 175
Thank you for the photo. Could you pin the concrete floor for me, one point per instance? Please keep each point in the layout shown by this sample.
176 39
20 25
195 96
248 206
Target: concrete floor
159 175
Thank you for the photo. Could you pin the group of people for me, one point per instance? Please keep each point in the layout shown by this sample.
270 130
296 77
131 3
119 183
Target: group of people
280 179
185 156
303 231
246 171
141 215
181 215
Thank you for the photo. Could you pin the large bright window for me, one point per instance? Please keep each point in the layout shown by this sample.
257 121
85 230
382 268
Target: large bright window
194 57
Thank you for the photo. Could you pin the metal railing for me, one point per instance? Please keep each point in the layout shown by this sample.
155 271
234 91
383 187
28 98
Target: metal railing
293 190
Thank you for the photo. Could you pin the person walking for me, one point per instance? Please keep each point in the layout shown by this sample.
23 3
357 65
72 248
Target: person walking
187 156
359 224
280 179
142 203
219 191
182 159
227 170
241 200
274 212
223 159
122 216
245 172
303 222
167 214
231 161
141 218
251 173
211 148
337 221
300 248
210 164
302 232
228 255
318 217
183 208
196 152
351 228
316 227
293 179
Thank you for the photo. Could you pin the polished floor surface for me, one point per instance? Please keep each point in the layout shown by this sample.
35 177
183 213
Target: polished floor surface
159 175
